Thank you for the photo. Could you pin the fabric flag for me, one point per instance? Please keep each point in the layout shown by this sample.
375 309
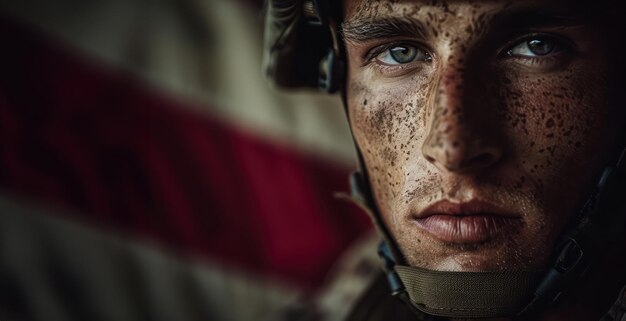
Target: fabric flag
149 172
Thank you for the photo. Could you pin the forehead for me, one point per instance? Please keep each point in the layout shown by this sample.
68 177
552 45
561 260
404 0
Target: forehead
373 9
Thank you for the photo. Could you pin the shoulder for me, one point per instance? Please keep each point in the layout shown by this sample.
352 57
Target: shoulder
356 290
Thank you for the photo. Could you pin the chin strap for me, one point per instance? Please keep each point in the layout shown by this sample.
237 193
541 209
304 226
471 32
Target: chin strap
462 294
521 294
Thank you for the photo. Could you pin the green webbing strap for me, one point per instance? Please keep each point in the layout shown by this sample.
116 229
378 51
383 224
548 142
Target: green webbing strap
468 294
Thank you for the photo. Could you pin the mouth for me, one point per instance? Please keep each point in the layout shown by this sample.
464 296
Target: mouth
469 222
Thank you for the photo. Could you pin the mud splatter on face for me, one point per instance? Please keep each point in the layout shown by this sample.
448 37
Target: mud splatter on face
479 115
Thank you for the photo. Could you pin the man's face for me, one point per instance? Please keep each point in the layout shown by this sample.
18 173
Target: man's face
483 124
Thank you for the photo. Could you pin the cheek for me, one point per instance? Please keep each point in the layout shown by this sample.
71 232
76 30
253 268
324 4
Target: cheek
388 126
554 123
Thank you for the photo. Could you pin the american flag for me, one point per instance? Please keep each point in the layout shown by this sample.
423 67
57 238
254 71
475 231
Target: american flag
149 172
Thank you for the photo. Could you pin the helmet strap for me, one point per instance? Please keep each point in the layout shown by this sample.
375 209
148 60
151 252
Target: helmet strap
600 224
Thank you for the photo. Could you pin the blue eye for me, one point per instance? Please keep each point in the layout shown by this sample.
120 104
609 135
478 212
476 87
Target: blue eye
534 47
403 54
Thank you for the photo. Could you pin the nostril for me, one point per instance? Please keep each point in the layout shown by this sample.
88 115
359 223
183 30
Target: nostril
481 160
460 154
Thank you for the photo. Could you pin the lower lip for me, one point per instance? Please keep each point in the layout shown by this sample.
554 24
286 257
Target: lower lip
467 228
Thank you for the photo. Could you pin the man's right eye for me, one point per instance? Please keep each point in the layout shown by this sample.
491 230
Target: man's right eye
400 54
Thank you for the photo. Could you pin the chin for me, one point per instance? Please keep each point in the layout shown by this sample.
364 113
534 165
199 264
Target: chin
470 262
517 252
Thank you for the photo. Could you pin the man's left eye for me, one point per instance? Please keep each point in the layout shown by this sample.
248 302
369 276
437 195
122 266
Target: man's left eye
403 54
534 47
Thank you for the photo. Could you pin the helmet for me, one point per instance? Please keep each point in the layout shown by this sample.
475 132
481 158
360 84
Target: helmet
301 46
303 49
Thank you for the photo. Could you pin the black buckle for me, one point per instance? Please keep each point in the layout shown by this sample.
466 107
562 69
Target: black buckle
393 279
311 13
570 257
569 264
332 70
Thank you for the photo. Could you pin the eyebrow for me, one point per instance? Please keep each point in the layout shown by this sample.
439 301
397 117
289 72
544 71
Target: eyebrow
365 30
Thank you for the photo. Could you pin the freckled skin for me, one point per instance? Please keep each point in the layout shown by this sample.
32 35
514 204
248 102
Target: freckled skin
471 124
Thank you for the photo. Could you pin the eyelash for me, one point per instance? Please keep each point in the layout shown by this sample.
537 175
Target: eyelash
373 53
562 43
562 46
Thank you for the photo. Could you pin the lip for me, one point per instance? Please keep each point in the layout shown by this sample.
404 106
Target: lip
468 222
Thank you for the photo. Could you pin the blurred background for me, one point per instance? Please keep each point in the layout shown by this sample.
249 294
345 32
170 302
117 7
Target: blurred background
148 171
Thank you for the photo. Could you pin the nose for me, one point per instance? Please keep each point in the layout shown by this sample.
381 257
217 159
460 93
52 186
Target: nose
460 137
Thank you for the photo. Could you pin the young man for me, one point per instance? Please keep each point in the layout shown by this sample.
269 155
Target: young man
489 136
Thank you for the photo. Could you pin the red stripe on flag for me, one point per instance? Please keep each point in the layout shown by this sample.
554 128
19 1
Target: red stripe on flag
87 136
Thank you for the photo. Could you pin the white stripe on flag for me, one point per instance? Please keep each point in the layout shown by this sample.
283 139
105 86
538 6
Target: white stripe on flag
65 271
